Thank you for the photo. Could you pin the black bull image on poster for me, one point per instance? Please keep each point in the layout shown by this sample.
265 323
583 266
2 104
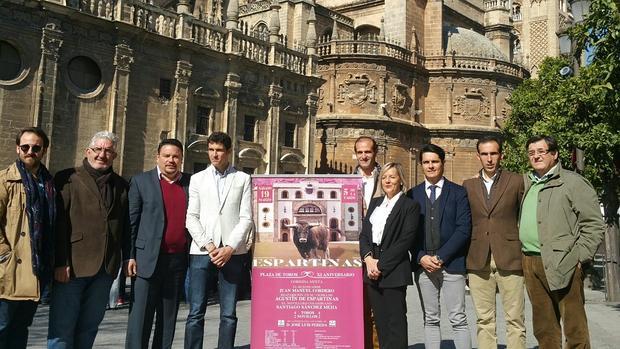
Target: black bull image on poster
309 238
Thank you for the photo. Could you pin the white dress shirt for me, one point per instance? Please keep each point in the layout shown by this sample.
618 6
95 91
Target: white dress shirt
380 215
488 182
439 185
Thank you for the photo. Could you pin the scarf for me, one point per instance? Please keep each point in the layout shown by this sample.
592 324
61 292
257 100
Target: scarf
41 211
103 180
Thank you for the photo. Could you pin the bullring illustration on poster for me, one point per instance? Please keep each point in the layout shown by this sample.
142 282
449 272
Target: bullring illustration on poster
307 220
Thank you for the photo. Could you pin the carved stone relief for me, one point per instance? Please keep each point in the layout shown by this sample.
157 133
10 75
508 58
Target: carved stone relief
357 89
401 102
472 105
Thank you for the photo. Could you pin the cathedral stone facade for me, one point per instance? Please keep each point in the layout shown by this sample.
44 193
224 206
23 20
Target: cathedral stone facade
294 82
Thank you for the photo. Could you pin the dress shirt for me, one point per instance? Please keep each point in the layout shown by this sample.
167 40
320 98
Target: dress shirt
488 182
221 178
160 175
439 185
369 185
380 215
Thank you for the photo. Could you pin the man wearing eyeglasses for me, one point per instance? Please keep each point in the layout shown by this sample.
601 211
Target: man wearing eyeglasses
27 215
560 228
92 229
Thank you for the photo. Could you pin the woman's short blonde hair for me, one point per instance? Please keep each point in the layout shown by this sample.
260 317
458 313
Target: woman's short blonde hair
399 169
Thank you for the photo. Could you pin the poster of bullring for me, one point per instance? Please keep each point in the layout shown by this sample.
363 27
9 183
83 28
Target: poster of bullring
307 275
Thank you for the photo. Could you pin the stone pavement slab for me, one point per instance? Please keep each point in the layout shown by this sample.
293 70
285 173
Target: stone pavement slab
603 322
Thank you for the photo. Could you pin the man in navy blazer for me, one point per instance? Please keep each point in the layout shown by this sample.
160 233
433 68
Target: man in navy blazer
438 254
159 247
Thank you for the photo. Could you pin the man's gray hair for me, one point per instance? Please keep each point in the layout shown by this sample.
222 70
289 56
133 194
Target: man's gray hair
104 135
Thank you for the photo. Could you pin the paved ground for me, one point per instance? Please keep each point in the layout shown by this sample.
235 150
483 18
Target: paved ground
603 320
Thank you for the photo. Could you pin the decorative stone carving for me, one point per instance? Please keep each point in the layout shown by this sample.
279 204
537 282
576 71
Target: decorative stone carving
437 79
357 89
233 85
123 57
312 101
361 66
321 98
473 105
275 95
183 72
401 102
51 40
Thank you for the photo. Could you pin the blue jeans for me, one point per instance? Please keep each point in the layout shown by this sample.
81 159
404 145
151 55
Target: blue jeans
15 317
76 310
202 275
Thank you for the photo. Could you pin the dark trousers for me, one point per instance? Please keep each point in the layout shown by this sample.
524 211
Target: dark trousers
202 273
371 341
390 311
158 295
15 317
551 307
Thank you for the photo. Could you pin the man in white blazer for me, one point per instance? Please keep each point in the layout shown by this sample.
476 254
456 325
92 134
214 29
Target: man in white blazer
219 219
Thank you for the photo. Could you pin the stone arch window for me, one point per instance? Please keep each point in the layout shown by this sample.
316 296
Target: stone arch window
261 31
10 62
367 32
309 209
84 73
284 230
319 194
298 194
284 194
333 194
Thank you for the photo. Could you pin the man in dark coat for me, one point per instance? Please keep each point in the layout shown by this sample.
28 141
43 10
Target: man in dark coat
159 247
92 230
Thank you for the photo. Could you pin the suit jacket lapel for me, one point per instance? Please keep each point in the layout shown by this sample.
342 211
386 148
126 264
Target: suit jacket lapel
388 229
500 188
479 196
420 193
157 187
227 185
89 183
443 198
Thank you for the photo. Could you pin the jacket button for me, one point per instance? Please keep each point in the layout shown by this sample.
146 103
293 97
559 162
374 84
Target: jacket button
19 261
22 234
487 233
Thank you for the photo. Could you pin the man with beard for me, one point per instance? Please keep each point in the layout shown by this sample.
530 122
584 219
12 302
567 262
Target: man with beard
27 215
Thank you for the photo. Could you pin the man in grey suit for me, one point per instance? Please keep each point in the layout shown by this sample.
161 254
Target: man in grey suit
159 241
219 219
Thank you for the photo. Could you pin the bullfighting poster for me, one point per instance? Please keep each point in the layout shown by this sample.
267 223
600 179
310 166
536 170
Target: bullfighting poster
307 272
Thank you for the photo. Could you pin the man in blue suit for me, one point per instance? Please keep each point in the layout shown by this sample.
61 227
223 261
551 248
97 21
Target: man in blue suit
438 254
159 247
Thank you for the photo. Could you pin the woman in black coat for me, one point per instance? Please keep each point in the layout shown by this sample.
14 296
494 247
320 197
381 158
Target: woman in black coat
388 232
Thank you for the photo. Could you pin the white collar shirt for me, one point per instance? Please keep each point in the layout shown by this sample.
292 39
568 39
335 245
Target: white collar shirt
439 185
221 179
380 215
488 182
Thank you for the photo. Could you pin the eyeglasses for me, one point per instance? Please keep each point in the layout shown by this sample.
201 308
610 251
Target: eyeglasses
98 151
532 153
27 147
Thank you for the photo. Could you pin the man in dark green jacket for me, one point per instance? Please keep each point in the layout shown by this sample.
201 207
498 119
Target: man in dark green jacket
560 228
